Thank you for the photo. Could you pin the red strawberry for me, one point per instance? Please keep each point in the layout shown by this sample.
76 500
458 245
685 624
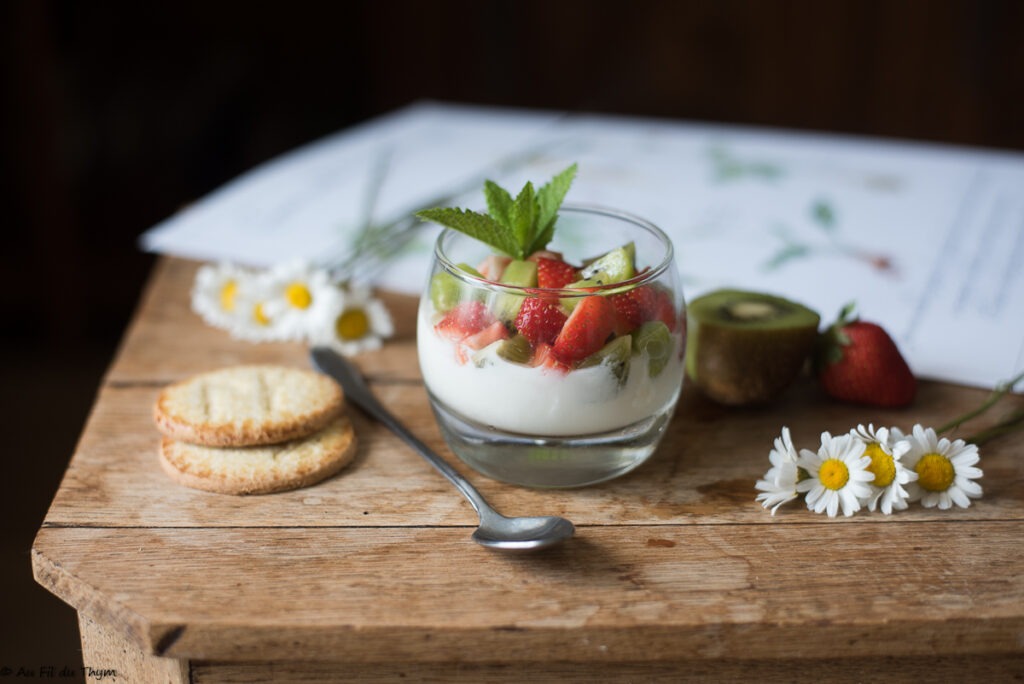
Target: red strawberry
542 357
540 321
632 308
465 319
553 273
664 310
545 254
492 333
859 362
586 330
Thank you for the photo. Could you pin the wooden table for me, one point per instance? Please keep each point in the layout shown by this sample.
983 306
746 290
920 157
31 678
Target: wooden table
676 572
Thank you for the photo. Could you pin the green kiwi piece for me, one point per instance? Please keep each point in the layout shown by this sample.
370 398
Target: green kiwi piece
446 290
614 355
516 349
617 265
519 274
747 347
654 338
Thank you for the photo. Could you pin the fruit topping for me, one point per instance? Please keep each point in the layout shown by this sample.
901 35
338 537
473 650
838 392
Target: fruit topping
586 330
446 290
654 339
516 349
617 265
553 273
615 356
464 319
540 320
493 267
492 333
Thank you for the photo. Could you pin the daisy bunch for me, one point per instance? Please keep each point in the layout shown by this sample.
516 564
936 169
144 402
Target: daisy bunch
883 468
293 301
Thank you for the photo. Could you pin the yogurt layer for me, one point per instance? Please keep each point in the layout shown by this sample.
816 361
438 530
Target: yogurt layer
542 401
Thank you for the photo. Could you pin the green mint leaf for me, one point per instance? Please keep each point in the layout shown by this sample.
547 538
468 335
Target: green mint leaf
479 226
541 240
499 203
524 216
549 199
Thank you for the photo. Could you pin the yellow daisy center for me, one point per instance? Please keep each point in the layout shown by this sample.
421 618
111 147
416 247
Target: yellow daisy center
353 324
935 472
298 295
834 474
882 465
227 295
259 316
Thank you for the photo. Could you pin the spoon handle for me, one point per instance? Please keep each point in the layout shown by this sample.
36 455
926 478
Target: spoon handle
329 362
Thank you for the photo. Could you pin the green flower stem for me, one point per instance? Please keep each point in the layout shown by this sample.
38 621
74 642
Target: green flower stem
1011 424
997 394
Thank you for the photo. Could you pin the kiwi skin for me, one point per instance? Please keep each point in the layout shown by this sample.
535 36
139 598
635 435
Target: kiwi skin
746 347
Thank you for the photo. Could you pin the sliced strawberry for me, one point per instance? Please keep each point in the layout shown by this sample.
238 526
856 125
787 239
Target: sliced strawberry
664 309
542 357
586 330
552 273
545 254
465 319
493 266
492 333
633 308
540 320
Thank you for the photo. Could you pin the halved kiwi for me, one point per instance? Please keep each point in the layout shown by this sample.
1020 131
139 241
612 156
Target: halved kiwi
747 347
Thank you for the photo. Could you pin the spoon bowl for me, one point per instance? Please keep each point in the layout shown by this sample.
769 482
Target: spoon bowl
496 531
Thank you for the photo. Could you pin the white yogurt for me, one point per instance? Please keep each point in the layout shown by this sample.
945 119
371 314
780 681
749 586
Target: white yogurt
541 401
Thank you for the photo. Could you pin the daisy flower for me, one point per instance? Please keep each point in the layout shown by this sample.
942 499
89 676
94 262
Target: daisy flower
885 451
359 323
945 470
301 299
837 475
252 322
215 293
779 484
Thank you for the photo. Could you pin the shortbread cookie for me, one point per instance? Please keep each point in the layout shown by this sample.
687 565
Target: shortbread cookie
261 469
247 406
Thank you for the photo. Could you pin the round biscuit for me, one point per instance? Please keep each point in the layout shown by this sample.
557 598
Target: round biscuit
261 469
247 406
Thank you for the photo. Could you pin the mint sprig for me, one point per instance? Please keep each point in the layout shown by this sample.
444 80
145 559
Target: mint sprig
516 227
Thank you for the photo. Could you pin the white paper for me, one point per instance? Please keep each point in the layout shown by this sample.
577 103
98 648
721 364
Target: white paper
927 239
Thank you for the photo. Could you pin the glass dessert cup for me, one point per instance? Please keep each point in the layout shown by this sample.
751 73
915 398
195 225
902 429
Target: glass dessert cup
555 387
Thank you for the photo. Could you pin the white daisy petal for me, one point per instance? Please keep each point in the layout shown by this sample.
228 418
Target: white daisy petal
361 324
945 470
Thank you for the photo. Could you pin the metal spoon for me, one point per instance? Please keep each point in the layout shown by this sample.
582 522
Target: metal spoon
495 531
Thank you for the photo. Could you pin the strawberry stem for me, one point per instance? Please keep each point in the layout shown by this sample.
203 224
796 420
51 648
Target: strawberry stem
998 393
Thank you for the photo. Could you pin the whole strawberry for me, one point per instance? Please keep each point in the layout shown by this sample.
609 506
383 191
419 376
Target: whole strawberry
858 362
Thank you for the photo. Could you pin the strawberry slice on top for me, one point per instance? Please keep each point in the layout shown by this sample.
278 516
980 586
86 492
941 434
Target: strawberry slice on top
588 327
553 273
465 319
540 320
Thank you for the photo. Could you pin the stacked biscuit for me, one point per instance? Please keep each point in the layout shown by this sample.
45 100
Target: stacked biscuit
253 429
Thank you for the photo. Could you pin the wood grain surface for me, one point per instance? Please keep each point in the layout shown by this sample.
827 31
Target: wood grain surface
673 564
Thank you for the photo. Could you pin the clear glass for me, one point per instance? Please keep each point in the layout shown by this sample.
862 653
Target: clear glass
538 422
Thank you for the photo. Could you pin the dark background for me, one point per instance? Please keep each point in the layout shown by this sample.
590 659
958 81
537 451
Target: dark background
115 114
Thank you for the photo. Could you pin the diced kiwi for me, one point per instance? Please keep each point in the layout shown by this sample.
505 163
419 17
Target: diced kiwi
520 274
446 290
617 265
615 355
654 338
747 347
516 349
